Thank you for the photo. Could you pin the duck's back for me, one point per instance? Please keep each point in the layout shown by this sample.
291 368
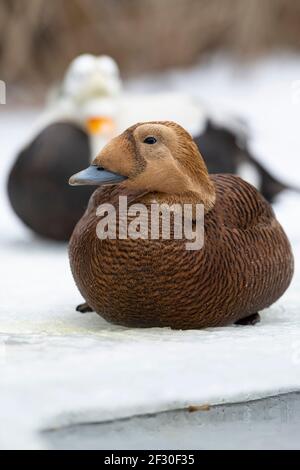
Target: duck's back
244 266
255 256
239 204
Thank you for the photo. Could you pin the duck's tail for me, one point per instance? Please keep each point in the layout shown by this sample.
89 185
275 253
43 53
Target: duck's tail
270 186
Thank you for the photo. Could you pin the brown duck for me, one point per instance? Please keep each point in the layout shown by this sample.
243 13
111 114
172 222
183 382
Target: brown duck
245 264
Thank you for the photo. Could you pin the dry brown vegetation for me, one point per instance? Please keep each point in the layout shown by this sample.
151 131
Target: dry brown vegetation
39 37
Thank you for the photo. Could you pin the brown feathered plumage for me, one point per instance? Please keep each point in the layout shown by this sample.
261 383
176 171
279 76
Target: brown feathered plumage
246 262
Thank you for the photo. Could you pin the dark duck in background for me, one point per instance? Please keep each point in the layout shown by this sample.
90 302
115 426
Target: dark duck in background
226 150
79 118
244 266
87 110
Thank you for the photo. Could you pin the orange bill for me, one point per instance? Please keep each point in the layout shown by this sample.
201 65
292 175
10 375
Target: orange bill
100 125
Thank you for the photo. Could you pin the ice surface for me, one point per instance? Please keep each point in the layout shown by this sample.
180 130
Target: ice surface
60 367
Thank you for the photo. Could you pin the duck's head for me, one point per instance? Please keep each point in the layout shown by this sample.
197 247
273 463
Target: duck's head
158 158
93 85
91 76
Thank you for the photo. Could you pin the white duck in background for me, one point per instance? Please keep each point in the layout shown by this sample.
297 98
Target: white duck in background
83 114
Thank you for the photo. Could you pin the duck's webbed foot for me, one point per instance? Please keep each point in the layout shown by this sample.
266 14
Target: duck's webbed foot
250 320
84 308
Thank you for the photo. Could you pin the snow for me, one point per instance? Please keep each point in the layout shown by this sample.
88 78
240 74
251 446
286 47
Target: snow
59 367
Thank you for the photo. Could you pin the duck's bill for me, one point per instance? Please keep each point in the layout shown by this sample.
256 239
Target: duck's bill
100 125
95 176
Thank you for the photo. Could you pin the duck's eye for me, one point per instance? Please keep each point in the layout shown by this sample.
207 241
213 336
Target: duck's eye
150 140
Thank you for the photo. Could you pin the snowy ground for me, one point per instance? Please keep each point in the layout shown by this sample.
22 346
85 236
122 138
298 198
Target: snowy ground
59 367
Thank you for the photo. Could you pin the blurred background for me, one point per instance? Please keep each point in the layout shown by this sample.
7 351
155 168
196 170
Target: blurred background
242 55
38 38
